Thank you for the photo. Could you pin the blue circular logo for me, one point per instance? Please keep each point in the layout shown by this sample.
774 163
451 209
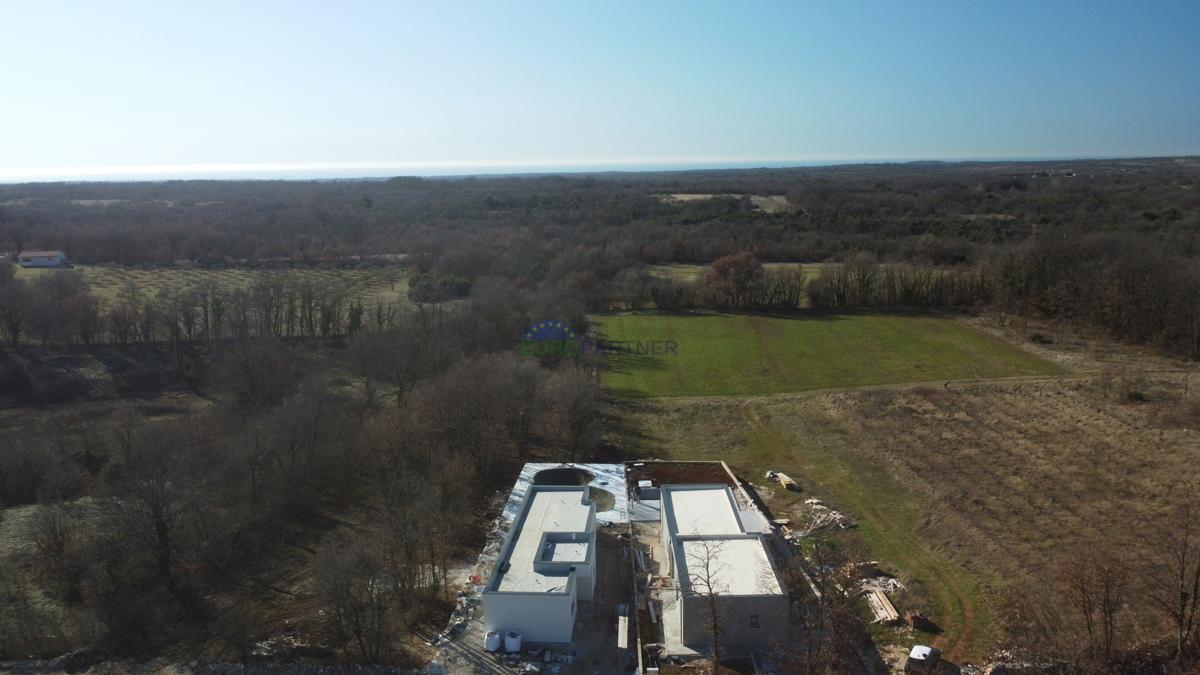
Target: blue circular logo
550 330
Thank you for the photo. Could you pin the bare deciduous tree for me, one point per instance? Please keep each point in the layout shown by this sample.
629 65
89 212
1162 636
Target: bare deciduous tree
1172 571
1096 580
14 310
54 529
160 506
573 397
733 280
354 583
704 578
832 624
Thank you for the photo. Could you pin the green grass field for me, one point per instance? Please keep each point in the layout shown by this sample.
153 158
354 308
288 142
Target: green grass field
753 355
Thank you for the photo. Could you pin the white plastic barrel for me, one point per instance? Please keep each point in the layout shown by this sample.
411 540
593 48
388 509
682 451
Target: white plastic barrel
491 641
512 641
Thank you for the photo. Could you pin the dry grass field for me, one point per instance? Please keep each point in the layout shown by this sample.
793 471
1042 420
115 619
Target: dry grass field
964 488
768 204
685 272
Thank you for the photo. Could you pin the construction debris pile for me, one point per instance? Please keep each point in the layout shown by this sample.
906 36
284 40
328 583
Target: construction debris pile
815 516
876 590
784 480
471 594
885 584
535 660
288 647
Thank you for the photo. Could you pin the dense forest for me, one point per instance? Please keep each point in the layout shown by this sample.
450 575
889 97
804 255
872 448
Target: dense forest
336 441
534 227
1107 245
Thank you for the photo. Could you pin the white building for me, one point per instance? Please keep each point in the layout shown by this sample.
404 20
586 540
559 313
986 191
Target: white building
42 259
716 549
546 566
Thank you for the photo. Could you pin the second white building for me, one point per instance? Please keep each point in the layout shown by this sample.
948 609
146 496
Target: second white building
718 557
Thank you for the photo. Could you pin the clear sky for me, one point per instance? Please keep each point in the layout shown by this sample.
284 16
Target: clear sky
169 89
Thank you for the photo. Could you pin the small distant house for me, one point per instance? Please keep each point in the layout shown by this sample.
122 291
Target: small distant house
42 259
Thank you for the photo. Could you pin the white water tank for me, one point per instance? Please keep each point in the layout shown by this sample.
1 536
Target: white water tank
491 641
512 641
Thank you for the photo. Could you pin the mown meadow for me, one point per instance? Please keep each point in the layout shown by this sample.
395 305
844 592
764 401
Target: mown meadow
760 354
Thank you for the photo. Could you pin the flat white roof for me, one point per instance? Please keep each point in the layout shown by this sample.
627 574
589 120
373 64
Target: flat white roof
566 552
553 510
738 565
705 531
703 509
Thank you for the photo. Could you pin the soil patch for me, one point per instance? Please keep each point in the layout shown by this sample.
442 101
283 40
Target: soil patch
563 476
679 473
605 500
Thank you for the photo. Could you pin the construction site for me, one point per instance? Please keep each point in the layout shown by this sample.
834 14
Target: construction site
641 567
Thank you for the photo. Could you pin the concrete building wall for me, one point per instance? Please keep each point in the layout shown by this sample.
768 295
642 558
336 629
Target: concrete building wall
42 261
585 578
736 611
540 617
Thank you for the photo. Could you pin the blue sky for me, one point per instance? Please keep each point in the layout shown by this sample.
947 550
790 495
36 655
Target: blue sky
160 89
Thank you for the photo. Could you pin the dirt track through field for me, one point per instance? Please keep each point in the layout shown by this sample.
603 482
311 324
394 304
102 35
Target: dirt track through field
957 616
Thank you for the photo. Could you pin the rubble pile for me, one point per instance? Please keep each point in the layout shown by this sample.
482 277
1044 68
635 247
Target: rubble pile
815 516
288 647
471 594
885 584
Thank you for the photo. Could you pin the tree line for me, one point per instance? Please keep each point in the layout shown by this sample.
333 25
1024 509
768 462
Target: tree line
179 532
1124 285
524 226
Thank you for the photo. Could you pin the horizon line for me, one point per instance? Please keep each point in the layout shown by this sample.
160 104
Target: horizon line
284 170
